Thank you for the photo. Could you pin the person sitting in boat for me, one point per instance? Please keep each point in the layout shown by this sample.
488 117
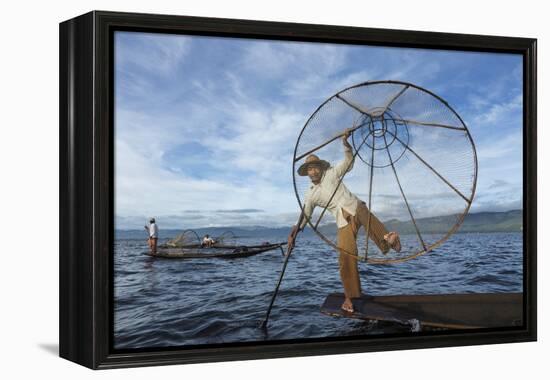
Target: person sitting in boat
207 241
350 213
153 231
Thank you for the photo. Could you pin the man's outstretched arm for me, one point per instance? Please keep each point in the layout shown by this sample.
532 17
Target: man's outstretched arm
347 164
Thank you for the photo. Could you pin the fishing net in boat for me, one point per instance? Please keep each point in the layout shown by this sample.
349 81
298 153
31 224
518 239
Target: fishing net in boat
415 164
187 237
226 238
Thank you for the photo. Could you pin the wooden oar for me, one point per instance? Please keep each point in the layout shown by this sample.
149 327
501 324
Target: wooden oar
289 249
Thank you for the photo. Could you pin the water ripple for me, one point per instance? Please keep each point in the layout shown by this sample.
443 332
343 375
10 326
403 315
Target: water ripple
162 303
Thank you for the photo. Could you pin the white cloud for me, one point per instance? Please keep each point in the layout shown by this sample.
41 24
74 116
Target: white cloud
279 60
500 112
503 148
246 114
157 54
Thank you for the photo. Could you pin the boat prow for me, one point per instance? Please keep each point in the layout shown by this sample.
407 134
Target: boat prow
447 311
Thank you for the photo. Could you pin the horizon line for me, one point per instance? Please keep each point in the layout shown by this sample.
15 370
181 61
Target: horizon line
283 226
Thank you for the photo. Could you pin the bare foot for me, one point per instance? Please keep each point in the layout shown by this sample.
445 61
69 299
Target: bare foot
393 239
347 305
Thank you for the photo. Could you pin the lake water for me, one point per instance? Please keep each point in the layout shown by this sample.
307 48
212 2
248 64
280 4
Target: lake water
171 302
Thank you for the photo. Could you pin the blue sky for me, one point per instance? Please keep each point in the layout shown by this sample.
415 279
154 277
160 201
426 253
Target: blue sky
205 127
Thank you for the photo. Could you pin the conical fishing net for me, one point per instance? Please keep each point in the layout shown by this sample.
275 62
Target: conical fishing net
187 237
226 238
415 164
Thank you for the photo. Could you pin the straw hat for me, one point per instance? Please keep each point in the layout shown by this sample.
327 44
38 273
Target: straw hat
312 160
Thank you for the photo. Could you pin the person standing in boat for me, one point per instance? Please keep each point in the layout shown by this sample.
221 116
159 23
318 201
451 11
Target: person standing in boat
350 213
153 231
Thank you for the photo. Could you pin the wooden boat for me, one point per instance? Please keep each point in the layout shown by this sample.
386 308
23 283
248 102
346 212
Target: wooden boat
222 252
190 239
447 311
196 245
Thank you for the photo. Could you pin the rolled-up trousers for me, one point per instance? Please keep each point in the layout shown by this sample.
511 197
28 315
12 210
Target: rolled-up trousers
153 244
347 244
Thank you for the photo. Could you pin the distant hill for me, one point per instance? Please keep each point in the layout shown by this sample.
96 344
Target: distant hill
508 221
249 232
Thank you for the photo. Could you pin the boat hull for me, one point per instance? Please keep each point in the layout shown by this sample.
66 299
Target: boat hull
227 252
449 311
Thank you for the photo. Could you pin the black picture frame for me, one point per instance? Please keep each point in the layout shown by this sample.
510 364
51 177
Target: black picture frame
87 172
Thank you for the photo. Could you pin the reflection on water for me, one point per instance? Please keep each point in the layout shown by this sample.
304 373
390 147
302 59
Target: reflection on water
171 302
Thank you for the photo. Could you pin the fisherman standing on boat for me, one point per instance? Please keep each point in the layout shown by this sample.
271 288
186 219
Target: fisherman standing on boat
350 213
153 230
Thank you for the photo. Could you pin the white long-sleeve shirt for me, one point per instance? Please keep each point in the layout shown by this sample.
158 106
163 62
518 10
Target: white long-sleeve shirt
319 194
153 230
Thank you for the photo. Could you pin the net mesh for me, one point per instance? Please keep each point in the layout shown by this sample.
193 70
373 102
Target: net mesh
415 164
191 238
187 237
226 238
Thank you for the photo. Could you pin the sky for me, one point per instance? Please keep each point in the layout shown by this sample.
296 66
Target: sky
205 127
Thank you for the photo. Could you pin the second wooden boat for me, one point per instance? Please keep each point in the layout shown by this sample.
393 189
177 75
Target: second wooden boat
223 252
